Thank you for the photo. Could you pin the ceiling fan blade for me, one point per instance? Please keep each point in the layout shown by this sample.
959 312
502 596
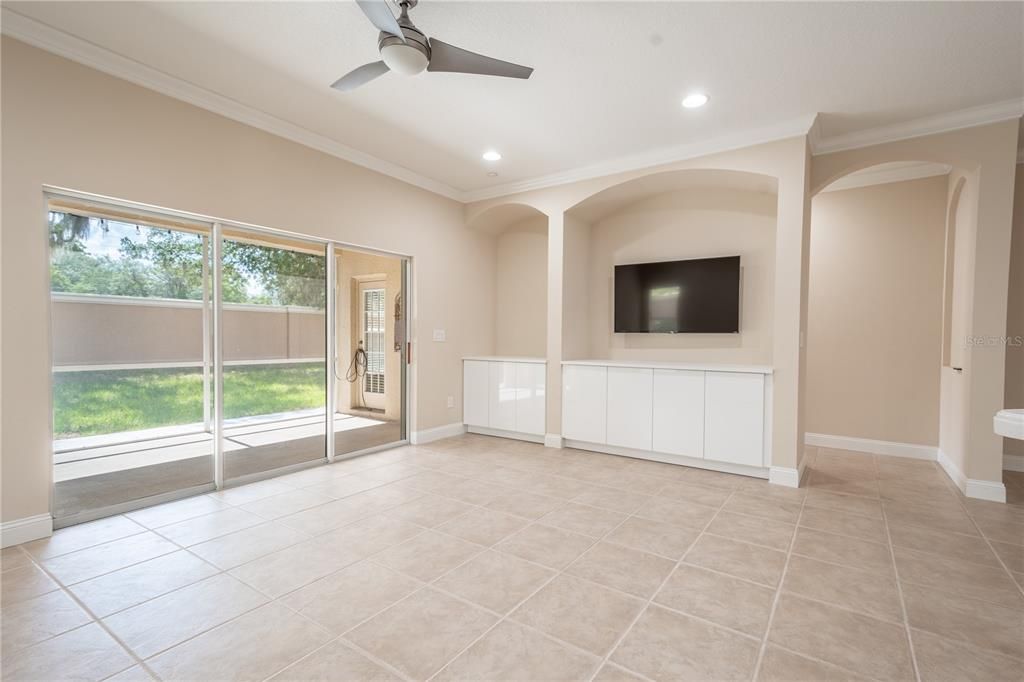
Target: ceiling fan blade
445 57
379 14
361 76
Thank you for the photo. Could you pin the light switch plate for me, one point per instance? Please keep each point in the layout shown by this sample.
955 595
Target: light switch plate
439 335
451 401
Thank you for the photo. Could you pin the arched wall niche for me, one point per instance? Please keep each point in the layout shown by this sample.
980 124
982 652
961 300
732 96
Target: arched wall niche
496 217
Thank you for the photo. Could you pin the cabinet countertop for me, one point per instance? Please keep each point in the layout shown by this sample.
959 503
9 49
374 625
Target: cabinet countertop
693 366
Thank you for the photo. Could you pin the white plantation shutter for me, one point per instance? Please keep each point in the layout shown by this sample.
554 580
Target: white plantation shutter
373 332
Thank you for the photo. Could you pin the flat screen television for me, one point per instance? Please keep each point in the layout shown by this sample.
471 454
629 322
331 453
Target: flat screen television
699 296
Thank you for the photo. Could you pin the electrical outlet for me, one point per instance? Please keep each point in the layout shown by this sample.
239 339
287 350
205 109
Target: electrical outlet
439 335
451 401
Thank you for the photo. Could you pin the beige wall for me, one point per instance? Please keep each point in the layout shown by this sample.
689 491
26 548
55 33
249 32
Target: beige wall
690 223
1015 315
121 140
875 319
352 266
521 285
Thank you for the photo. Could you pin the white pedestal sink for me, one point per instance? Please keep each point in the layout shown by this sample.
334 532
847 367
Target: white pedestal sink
1009 423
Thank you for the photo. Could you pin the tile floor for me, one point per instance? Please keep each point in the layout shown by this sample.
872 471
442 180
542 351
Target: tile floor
478 558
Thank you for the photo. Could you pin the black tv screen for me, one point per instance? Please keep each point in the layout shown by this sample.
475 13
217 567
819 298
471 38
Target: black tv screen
677 297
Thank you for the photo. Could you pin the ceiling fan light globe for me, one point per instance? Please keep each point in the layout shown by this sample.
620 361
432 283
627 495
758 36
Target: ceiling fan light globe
404 59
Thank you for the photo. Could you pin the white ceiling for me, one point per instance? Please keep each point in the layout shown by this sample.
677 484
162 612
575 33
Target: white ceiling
609 75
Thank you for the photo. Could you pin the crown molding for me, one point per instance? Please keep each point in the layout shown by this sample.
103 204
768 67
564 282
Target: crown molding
749 138
929 125
913 170
65 45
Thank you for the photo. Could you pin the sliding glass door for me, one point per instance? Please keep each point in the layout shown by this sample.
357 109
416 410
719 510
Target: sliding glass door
273 293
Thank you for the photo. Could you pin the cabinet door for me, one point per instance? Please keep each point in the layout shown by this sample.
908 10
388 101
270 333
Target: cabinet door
734 417
629 407
530 405
679 412
475 401
584 392
502 395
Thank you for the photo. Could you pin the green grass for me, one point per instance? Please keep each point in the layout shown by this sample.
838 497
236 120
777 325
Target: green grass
94 403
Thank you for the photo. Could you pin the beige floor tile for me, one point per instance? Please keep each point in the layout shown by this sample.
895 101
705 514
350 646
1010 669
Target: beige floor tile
336 661
210 526
495 580
559 486
251 492
829 482
739 559
714 479
251 647
370 535
852 641
610 672
1012 555
957 576
579 612
179 510
779 665
654 537
870 593
389 473
134 674
944 660
765 507
762 488
982 624
753 529
676 512
728 601
582 519
14 557
545 545
1010 532
290 502
512 652
289 569
83 535
345 598
429 511
161 623
844 524
85 654
943 543
477 492
525 504
850 504
19 584
483 526
135 584
341 487
433 481
611 498
235 549
842 549
942 519
34 620
420 634
428 556
983 509
622 568
94 561
668 646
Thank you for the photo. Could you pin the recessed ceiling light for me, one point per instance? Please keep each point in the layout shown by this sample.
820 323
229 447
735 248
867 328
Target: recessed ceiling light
491 155
697 99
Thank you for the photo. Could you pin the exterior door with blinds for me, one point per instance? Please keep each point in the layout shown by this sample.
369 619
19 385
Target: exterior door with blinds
373 334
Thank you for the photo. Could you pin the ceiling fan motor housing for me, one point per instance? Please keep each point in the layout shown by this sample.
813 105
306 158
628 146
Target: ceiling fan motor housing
410 56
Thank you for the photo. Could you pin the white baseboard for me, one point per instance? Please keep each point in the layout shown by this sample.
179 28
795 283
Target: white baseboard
437 433
784 476
552 440
725 467
25 530
993 491
874 447
1013 462
501 433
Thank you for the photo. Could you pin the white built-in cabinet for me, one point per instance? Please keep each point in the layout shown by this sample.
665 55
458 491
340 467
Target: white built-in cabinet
505 395
717 415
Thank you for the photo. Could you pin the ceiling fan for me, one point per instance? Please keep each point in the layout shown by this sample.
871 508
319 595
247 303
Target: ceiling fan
406 50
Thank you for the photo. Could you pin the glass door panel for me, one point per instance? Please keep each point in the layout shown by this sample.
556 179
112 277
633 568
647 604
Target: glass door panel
273 319
130 323
370 337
